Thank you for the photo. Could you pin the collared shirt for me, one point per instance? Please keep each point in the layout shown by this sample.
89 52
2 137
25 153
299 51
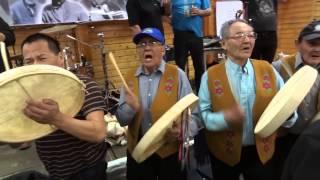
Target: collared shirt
309 106
148 86
242 83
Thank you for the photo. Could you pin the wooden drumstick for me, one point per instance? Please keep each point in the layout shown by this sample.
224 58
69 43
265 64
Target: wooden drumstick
118 70
4 55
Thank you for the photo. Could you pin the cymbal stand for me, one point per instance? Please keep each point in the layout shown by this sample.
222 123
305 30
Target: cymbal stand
104 66
103 56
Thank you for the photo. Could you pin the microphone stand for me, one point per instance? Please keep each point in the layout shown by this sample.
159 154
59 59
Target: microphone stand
103 61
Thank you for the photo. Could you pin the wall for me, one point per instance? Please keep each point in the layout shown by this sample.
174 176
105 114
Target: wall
293 16
117 39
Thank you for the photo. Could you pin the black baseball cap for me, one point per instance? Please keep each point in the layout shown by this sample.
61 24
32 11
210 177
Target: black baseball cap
311 31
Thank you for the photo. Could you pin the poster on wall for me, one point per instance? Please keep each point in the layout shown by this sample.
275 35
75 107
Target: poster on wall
28 12
226 10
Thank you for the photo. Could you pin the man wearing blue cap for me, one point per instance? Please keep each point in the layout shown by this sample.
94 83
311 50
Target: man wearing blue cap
154 87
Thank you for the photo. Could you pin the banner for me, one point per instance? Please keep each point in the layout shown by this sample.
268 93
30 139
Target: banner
27 12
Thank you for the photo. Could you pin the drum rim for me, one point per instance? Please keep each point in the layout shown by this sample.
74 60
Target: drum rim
13 74
166 120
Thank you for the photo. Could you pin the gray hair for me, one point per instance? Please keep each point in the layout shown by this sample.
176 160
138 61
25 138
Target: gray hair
225 28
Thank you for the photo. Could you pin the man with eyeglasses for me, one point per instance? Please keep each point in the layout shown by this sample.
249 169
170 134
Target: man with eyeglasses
232 97
155 87
308 53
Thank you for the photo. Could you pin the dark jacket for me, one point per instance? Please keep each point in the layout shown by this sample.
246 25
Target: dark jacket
9 41
303 160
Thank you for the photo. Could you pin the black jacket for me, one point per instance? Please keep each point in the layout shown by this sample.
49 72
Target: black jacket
303 162
9 41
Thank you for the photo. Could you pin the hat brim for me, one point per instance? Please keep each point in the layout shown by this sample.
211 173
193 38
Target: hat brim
286 101
155 136
139 36
311 36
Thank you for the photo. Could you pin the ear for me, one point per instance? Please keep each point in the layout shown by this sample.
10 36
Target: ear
163 50
297 43
60 59
223 44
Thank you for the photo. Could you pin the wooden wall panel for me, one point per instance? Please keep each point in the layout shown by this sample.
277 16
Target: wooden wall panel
293 16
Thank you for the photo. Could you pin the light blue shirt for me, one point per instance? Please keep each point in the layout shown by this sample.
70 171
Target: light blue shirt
243 86
180 19
148 87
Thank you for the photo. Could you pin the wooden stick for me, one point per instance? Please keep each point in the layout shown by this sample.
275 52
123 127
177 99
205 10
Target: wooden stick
118 70
4 55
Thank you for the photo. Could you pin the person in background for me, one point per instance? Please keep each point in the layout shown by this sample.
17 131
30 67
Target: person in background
7 36
232 97
308 53
155 87
77 149
263 15
60 11
187 25
147 13
25 11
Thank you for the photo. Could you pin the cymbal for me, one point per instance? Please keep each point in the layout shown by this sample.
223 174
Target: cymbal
58 28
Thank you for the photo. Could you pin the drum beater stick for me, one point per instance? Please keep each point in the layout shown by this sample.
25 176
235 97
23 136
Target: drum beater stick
7 67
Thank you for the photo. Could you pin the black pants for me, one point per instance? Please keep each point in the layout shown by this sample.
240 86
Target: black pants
265 46
185 42
155 168
96 172
249 165
283 147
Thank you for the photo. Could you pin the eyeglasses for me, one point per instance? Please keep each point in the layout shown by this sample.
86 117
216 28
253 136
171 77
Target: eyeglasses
148 43
242 36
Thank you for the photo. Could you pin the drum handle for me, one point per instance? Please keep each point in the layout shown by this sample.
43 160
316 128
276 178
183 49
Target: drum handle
4 55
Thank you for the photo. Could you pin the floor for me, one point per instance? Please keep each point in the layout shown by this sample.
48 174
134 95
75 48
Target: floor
14 161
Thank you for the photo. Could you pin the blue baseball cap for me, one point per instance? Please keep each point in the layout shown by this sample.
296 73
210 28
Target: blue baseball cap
149 32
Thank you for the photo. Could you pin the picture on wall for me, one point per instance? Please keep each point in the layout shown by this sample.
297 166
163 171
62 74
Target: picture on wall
27 12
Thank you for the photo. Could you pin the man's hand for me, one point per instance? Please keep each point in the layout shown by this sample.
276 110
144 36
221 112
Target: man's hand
44 112
132 100
173 133
234 116
194 11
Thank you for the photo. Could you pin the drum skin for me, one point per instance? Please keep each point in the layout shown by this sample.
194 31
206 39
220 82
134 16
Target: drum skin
286 101
154 138
35 82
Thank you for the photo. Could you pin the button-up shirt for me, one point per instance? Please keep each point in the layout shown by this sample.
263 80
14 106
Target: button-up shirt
243 86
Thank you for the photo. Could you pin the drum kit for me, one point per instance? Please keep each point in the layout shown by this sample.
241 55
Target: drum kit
84 66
